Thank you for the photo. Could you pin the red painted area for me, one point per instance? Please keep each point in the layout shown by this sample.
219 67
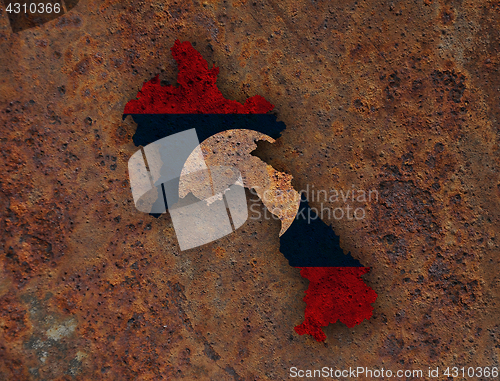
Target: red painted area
335 293
196 93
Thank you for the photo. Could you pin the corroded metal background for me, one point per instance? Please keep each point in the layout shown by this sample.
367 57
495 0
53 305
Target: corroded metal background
400 96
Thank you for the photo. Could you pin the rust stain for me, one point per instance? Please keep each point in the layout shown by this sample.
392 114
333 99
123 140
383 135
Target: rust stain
220 252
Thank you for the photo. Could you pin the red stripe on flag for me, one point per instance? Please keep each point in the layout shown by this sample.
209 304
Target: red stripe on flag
335 293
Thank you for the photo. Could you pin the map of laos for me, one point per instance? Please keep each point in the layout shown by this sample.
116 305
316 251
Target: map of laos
227 132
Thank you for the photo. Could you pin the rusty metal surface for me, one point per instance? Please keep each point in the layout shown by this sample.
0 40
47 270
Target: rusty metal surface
399 97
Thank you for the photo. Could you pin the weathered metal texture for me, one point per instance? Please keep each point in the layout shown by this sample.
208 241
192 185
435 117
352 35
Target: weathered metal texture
398 97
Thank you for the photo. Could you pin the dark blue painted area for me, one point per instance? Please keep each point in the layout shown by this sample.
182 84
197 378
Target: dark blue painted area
308 242
151 127
312 243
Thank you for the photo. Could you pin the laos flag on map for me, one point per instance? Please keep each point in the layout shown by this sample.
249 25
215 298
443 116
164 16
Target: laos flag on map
336 290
